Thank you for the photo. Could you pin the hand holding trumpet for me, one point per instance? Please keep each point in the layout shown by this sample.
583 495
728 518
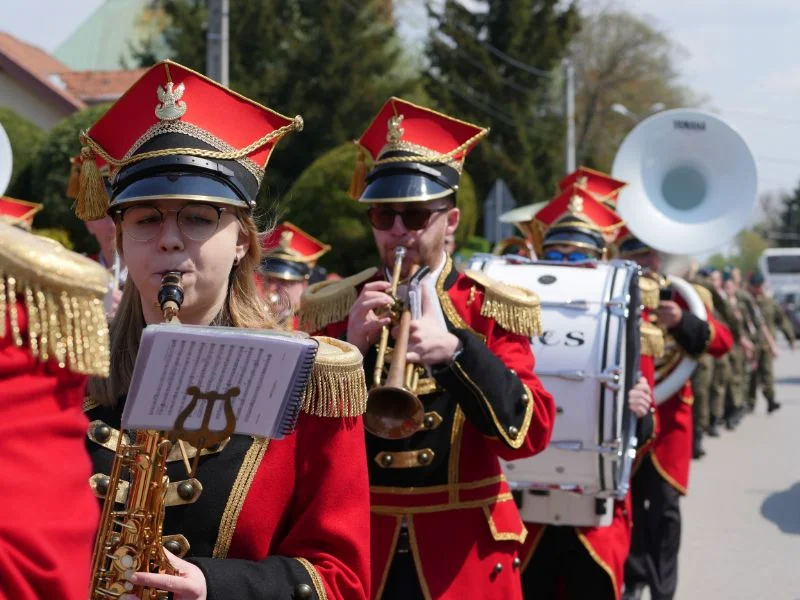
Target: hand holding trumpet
428 343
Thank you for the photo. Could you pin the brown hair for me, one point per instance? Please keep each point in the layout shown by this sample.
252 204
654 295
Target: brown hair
243 307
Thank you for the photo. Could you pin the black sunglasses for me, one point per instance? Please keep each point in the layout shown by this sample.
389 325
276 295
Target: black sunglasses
414 218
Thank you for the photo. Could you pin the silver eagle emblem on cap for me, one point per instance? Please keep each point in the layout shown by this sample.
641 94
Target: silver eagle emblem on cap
170 105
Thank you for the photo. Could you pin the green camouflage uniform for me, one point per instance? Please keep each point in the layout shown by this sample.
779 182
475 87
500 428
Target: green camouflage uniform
722 367
775 318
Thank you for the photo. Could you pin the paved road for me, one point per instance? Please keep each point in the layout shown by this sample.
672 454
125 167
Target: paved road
741 536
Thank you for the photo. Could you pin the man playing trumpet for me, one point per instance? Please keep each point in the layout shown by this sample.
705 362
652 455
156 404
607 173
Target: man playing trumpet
444 524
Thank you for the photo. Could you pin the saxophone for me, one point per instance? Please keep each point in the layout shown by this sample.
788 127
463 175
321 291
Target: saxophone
129 536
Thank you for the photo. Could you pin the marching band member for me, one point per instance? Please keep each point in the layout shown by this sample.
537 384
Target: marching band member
587 562
262 518
103 231
290 255
46 351
444 523
664 474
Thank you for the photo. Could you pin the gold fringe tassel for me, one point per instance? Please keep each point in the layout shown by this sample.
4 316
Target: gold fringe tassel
358 181
338 386
73 183
652 340
92 201
649 292
68 328
522 318
316 314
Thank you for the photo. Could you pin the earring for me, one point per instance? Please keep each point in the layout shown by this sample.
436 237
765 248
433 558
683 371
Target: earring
236 262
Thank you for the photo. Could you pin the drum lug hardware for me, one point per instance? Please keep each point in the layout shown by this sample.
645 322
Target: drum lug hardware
577 304
619 307
577 375
610 447
610 378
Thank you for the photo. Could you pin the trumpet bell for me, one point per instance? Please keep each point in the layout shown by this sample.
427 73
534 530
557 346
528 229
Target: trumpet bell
393 413
692 181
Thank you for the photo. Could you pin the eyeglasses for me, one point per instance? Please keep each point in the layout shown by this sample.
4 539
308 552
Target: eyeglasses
414 218
556 256
197 221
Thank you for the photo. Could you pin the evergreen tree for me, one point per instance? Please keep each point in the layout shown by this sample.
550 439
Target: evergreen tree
334 62
480 71
787 234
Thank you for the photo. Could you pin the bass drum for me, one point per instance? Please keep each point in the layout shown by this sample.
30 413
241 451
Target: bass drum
587 358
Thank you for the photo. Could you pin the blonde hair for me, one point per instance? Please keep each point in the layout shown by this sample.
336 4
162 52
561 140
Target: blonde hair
243 307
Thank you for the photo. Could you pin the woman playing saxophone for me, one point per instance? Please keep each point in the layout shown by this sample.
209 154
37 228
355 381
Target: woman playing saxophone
260 518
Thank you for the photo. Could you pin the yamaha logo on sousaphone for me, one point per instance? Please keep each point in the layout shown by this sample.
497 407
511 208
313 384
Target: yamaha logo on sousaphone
686 124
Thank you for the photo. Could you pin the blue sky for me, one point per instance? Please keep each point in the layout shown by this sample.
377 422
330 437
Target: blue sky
743 55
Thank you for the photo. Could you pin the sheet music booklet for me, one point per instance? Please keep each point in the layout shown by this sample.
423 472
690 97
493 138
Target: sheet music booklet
270 368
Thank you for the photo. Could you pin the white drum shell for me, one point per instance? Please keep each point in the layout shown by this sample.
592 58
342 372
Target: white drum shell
558 507
582 340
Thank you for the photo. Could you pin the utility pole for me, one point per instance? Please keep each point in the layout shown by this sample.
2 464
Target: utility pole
217 41
569 113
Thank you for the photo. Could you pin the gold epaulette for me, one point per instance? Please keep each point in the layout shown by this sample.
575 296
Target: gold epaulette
515 309
63 294
649 292
705 296
652 340
329 302
337 387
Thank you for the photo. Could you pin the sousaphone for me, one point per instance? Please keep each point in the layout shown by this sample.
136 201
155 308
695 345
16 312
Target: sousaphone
692 186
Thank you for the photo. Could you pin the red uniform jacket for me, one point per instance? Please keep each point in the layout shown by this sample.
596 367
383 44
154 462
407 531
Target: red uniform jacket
446 481
296 510
49 514
672 451
609 546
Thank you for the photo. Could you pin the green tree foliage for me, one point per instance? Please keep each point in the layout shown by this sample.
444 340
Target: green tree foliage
318 203
49 172
475 73
620 58
25 138
749 246
785 230
334 62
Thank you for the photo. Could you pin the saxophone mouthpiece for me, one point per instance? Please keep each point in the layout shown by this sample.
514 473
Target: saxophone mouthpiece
170 295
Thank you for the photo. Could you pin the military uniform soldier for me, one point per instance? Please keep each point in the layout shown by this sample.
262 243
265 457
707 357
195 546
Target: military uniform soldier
774 317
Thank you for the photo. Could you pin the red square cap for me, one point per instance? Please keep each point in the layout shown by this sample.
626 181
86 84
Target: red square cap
418 154
290 253
18 212
603 187
178 134
577 218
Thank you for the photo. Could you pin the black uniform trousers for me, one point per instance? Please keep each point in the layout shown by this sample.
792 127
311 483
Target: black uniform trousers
653 560
562 568
402 582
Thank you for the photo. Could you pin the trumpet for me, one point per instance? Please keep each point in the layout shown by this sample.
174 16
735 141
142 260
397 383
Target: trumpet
393 410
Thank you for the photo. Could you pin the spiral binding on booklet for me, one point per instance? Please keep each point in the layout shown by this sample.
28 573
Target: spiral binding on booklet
291 411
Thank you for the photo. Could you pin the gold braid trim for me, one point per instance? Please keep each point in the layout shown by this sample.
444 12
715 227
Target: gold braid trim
649 292
233 507
652 340
329 302
429 156
316 579
516 309
63 295
92 201
705 296
337 387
